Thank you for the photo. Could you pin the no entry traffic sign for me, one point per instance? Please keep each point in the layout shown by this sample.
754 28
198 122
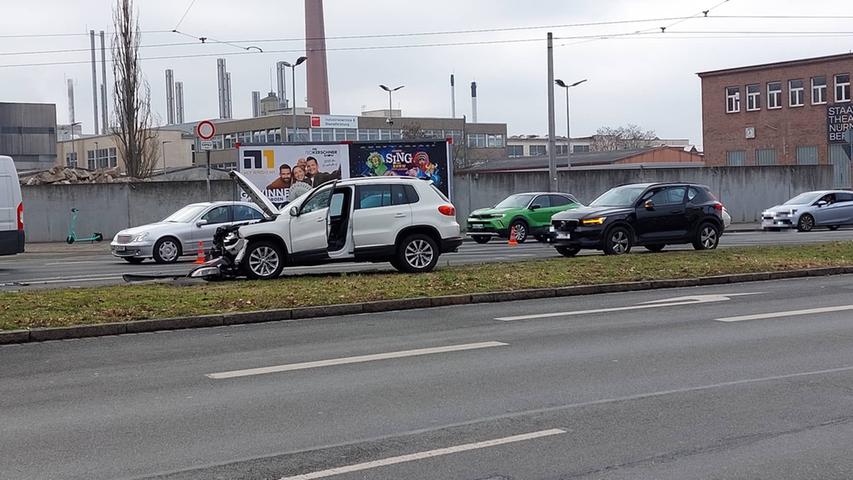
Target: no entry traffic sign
205 130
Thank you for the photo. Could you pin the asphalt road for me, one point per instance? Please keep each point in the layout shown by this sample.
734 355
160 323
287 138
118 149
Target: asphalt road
87 265
723 382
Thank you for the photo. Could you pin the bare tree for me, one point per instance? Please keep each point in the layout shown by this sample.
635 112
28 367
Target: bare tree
412 131
135 138
630 137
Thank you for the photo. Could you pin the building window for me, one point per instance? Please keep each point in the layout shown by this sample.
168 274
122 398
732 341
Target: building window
580 148
765 156
818 90
71 160
562 149
90 160
753 97
732 99
736 158
217 142
495 141
807 156
842 88
229 140
538 150
477 140
455 136
774 95
796 93
515 150
113 157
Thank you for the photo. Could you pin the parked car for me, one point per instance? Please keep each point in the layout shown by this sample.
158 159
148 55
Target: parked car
649 214
402 220
180 233
824 208
11 209
525 213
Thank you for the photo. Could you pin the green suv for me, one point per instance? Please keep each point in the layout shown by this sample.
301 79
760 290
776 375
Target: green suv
526 213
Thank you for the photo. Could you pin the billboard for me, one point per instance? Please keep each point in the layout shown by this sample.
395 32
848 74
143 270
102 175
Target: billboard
284 172
333 121
839 120
428 160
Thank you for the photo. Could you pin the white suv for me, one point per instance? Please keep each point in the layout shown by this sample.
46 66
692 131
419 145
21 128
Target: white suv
402 220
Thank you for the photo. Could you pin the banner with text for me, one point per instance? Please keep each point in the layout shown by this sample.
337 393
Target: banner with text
284 172
428 160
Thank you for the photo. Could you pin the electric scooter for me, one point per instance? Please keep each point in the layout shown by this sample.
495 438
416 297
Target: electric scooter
72 234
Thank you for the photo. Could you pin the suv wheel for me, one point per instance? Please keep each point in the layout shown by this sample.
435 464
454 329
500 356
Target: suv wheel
264 260
416 253
617 241
167 250
707 238
481 239
568 251
520 229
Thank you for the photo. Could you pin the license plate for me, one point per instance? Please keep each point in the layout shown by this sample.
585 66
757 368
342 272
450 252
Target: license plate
476 227
121 249
564 236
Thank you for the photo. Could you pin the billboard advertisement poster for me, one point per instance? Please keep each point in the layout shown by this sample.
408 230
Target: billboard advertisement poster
285 172
427 160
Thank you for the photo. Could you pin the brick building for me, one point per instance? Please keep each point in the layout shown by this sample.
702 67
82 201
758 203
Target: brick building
783 113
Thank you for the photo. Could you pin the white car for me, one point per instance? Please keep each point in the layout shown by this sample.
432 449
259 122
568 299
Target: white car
403 220
180 233
11 209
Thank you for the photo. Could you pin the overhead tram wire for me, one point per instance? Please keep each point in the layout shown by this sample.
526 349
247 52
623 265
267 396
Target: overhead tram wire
186 12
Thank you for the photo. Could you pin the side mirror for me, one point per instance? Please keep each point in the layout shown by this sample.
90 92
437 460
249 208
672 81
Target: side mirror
822 203
535 206
201 223
650 205
294 212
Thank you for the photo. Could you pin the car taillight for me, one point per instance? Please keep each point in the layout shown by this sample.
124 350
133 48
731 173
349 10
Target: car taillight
21 217
448 210
718 207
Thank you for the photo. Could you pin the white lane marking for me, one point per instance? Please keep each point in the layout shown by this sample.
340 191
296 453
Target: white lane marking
349 360
105 262
789 313
669 302
428 454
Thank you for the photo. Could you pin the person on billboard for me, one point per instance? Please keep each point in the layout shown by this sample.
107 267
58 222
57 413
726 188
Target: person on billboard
300 183
315 176
284 178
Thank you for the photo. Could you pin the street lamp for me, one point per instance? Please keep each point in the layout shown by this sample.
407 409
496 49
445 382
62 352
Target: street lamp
390 109
299 61
163 150
563 84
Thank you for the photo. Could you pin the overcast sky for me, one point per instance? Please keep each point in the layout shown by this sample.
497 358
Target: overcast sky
645 80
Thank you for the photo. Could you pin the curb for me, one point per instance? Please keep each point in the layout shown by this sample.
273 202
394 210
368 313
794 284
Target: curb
302 313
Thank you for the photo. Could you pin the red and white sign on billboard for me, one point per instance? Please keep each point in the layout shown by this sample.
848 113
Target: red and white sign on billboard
205 130
333 121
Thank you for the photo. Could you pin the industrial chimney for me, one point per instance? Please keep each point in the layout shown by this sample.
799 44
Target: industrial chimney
220 78
281 77
473 102
170 97
179 102
452 97
94 82
315 48
71 118
256 104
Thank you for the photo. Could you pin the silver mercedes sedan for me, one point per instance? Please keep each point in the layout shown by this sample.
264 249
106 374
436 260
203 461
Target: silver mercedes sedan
180 233
824 208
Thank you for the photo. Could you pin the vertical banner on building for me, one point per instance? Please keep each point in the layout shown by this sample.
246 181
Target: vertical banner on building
428 160
285 172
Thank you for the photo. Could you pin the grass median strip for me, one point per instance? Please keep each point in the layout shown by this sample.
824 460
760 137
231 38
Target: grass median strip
63 307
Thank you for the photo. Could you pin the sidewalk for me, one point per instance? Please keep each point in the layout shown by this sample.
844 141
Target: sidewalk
62 247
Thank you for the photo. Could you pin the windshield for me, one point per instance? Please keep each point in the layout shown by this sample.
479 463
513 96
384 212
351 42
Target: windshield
619 197
803 199
515 201
186 214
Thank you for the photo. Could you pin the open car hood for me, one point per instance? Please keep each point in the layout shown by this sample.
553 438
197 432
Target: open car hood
255 194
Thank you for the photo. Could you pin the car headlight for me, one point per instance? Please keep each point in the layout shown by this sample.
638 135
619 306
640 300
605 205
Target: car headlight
593 221
141 237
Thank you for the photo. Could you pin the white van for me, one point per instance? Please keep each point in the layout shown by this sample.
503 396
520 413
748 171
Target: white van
11 209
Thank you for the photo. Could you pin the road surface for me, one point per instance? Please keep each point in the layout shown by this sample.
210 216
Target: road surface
727 382
88 265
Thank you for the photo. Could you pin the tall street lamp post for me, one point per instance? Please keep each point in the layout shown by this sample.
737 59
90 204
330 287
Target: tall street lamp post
390 119
563 84
299 61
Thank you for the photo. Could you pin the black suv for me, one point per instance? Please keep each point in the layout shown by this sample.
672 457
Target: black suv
649 214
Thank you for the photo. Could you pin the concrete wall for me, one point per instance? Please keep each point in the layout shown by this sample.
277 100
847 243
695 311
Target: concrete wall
108 208
745 191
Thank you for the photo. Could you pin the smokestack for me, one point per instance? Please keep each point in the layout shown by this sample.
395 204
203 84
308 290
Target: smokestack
228 111
473 102
256 104
452 97
105 124
179 101
315 49
71 117
94 82
220 78
170 97
281 77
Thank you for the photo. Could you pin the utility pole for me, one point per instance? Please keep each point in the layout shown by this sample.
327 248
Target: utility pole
552 129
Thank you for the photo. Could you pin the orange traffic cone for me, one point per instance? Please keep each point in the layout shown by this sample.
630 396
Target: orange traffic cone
512 241
200 258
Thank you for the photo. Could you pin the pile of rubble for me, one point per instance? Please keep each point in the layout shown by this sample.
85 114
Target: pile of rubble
67 176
